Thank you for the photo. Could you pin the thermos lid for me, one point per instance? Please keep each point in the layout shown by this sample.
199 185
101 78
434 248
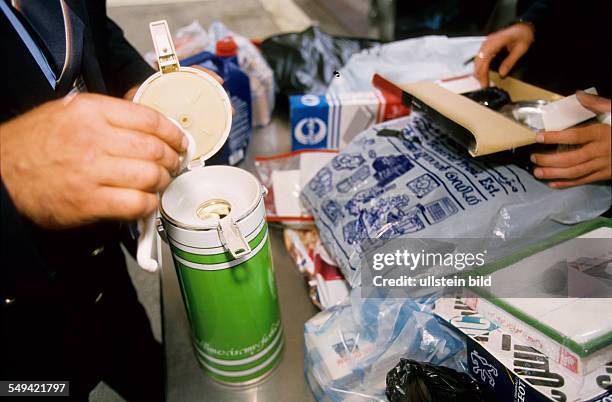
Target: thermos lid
190 97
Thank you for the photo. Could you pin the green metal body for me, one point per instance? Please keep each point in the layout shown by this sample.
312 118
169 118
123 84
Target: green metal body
234 311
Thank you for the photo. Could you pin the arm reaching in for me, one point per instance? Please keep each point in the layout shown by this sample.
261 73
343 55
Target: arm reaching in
516 39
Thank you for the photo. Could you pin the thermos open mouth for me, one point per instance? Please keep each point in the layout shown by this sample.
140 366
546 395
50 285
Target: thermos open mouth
215 208
198 199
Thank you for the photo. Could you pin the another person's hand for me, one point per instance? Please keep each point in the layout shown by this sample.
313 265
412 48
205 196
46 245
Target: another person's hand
590 162
77 160
516 39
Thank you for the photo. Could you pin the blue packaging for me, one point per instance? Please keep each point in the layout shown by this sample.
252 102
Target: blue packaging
236 83
332 121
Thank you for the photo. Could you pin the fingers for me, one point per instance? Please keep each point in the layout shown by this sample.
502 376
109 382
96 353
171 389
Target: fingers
516 53
209 72
123 203
124 114
594 103
488 50
565 159
132 174
590 178
129 95
580 135
481 64
136 145
481 70
571 172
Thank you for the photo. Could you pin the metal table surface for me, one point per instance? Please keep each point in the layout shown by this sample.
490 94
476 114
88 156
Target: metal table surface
185 380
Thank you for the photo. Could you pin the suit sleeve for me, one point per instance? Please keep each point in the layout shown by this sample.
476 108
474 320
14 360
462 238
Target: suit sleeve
21 258
123 67
547 16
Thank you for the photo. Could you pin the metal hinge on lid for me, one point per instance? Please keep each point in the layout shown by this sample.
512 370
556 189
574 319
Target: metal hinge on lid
232 238
164 48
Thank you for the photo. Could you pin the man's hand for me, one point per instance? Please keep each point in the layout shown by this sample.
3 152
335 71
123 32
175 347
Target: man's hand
590 162
90 157
516 39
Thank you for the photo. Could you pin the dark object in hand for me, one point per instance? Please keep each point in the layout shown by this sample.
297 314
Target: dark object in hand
411 381
491 97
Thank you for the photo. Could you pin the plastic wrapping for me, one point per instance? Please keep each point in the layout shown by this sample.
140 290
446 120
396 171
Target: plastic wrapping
421 59
284 175
412 381
327 286
251 62
351 347
305 62
510 370
571 277
418 182
188 40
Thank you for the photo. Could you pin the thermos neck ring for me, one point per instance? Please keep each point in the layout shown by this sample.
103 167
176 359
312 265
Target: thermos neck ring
180 225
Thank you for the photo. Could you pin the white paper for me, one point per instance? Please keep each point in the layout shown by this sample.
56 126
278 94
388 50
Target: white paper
566 112
460 85
286 189
311 163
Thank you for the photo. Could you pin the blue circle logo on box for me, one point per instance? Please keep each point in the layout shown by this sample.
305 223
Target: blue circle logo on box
310 130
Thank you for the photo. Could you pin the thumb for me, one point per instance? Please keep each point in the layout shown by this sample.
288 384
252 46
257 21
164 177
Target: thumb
516 53
596 104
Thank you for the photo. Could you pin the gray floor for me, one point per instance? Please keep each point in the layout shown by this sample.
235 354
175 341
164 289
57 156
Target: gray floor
247 17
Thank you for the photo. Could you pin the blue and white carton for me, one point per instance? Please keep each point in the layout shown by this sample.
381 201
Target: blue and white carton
331 121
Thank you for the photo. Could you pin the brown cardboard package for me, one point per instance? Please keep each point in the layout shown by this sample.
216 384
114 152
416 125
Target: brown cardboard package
481 130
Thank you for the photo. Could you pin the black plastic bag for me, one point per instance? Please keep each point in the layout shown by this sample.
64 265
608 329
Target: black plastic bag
412 381
305 62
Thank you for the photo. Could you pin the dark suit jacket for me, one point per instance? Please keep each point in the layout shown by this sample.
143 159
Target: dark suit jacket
571 45
51 278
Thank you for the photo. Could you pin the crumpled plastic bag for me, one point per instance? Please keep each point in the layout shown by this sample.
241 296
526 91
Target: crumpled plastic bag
412 381
405 61
420 183
350 347
304 62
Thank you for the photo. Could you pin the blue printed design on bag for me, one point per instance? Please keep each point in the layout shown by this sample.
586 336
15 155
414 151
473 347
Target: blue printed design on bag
374 218
439 210
365 141
347 161
354 232
389 168
347 184
406 220
322 182
423 185
354 205
332 210
454 193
